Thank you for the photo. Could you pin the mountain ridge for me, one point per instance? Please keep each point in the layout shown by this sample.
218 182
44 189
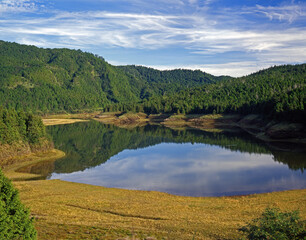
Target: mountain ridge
57 80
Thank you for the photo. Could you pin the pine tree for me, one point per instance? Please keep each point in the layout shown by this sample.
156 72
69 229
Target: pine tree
15 222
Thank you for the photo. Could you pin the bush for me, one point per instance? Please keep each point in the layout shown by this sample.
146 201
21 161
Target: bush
275 225
15 222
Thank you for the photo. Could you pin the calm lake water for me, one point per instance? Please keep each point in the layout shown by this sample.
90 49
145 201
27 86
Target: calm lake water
181 162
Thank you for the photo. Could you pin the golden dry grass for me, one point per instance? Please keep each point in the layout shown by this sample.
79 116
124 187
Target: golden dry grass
66 210
85 115
13 172
124 120
51 122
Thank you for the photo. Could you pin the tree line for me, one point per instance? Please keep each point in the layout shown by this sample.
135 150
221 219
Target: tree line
19 126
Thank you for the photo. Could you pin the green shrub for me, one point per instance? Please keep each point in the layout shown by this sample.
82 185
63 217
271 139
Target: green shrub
275 225
15 222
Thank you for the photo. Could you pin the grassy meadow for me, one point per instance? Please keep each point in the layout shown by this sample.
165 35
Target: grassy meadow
65 210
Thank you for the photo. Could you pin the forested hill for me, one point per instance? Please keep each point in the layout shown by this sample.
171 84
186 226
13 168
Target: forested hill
155 82
51 80
277 92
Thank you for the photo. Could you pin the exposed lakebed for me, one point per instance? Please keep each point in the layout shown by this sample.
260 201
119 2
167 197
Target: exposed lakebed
185 162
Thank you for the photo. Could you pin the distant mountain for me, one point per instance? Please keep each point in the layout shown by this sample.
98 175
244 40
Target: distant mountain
50 80
152 82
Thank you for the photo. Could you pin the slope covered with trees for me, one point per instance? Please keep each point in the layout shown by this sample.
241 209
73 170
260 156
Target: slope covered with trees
150 82
278 92
51 80
58 79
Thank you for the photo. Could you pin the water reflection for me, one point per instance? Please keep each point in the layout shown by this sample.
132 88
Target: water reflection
187 162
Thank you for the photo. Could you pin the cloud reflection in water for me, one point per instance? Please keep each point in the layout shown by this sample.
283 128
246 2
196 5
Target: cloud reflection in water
192 170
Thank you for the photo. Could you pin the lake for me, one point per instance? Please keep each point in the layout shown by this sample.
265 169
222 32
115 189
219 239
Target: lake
186 162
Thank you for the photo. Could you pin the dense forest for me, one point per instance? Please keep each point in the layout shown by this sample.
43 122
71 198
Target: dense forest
20 126
53 80
152 82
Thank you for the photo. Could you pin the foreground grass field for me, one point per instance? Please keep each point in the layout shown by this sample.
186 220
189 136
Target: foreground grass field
65 210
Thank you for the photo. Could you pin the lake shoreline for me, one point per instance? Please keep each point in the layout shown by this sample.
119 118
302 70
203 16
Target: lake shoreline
66 210
18 170
261 128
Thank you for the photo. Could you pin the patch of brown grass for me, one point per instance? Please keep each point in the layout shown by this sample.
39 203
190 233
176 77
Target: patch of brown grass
51 122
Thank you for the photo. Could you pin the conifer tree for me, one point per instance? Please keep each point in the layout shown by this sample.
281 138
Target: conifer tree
15 222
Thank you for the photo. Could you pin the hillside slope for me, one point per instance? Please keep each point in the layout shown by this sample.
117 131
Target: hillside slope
58 79
51 80
150 81
276 92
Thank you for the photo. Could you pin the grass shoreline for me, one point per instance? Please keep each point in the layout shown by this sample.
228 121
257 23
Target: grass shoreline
16 173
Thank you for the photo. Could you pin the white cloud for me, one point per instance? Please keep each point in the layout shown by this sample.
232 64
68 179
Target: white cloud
152 31
17 6
288 13
234 69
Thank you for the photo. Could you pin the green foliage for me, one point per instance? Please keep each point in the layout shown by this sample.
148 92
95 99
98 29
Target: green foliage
35 129
276 225
18 126
149 82
15 222
53 80
278 92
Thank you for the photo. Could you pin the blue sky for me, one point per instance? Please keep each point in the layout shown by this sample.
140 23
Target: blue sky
217 36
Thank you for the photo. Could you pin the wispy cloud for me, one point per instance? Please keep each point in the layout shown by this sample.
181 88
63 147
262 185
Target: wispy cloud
234 69
18 6
288 13
152 31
